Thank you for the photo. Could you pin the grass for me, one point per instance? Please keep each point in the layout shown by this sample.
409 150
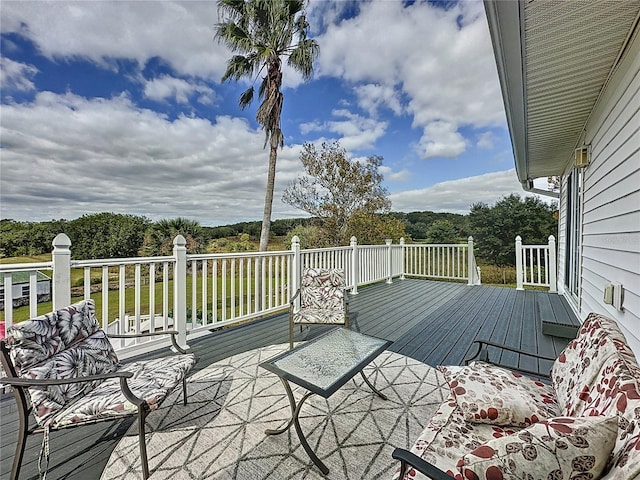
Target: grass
22 313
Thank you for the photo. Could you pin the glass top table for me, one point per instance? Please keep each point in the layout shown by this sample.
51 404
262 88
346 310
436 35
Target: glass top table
322 366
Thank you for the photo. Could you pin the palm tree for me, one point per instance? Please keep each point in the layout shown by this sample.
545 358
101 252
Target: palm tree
262 33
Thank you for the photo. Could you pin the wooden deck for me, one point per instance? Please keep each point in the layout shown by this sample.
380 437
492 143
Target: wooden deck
434 322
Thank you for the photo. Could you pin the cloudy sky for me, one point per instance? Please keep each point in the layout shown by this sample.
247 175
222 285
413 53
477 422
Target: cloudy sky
117 106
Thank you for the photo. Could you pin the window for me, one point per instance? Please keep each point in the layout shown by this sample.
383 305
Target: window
25 291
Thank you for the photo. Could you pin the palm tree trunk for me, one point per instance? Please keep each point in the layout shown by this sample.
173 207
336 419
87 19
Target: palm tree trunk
268 200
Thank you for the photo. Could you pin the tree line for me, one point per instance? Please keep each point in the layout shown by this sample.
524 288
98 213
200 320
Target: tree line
112 235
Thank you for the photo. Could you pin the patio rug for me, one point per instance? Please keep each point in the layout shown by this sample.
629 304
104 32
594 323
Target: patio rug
219 434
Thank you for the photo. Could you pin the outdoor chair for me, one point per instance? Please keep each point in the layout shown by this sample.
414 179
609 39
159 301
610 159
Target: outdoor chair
322 300
63 368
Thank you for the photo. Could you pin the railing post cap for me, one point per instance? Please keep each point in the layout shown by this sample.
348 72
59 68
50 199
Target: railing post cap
518 238
62 240
354 240
295 239
470 238
401 240
551 238
179 241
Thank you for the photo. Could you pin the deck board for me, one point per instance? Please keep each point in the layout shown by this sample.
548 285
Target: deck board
433 322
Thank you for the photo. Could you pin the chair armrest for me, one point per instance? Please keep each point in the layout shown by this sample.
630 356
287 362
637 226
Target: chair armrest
173 334
483 355
34 382
122 375
424 467
293 299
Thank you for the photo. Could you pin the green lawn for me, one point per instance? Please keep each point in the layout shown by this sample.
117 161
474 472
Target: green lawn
22 313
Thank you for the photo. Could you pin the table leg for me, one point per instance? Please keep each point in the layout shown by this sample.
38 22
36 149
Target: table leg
295 412
377 392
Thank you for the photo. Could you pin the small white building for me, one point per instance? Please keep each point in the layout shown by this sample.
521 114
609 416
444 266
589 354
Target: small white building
570 77
21 288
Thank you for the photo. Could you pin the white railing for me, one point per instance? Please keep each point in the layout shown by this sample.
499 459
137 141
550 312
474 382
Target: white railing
536 264
201 292
445 261
147 280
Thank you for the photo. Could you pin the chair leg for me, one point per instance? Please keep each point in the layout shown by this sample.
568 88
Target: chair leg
21 443
290 334
184 391
142 415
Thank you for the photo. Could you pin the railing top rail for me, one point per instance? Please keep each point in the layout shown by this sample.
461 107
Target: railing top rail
415 245
22 267
536 246
210 256
119 261
327 249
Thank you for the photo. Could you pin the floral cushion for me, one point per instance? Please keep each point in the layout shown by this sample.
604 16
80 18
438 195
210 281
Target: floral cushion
577 366
38 339
558 448
322 289
326 298
448 436
489 394
93 356
616 392
152 381
322 277
313 315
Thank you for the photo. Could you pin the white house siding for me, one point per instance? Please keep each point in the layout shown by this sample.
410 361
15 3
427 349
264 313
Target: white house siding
611 199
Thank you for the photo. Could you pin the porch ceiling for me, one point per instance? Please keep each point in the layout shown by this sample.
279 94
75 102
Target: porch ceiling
554 58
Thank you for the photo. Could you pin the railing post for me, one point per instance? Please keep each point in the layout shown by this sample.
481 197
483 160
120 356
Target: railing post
519 278
553 287
402 251
61 257
355 265
180 289
471 261
389 261
296 270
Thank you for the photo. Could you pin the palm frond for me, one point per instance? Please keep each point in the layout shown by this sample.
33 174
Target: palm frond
238 66
246 98
302 56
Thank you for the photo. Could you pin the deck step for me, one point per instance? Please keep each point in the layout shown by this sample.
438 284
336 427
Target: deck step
558 322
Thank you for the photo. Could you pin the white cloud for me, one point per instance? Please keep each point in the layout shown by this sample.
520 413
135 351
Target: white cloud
16 76
165 87
181 33
441 139
356 132
371 97
109 155
441 61
486 140
393 176
457 196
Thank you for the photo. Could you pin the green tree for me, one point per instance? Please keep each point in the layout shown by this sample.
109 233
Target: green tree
344 195
106 235
159 238
442 231
262 33
495 228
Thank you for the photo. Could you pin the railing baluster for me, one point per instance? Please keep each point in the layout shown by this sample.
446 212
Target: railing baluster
233 287
124 328
8 300
33 293
152 297
87 283
205 296
105 299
